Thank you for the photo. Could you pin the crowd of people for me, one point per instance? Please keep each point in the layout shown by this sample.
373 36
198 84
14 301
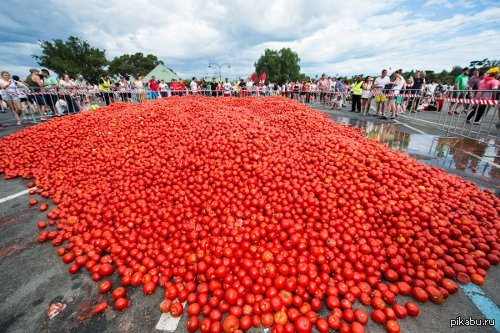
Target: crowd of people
42 93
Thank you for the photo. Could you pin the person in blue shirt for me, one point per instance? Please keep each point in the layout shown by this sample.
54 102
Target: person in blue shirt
339 87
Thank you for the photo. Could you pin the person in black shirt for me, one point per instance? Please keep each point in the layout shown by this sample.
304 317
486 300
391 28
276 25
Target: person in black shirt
418 86
213 87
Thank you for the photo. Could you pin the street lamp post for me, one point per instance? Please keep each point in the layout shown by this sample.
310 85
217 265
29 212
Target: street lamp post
210 64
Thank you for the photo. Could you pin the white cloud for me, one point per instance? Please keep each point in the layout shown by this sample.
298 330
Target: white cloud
329 36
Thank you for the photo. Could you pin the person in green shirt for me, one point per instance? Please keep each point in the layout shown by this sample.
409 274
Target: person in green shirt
461 82
50 85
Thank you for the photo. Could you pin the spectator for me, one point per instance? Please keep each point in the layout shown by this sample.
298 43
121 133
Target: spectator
366 95
249 86
182 87
226 87
417 89
51 86
139 88
193 85
22 93
67 85
10 95
356 95
323 86
163 86
461 82
397 85
380 83
340 88
125 87
35 84
474 80
153 86
174 88
213 87
105 89
489 82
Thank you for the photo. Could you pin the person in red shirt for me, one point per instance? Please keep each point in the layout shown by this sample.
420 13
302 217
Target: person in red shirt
153 86
174 88
182 87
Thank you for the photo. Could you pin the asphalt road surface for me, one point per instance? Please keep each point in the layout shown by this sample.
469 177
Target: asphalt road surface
33 277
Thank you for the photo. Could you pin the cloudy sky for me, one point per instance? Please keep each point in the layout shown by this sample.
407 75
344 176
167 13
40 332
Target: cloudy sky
336 37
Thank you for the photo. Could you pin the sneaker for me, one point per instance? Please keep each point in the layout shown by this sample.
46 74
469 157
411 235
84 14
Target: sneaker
467 121
477 123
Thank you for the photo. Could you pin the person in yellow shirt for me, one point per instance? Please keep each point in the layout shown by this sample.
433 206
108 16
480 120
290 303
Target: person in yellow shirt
105 88
356 94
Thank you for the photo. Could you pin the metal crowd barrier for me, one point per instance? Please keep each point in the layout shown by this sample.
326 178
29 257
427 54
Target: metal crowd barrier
409 104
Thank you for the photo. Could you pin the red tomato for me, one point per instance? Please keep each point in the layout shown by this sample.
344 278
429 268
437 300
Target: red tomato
176 309
148 288
392 326
101 307
230 324
378 316
412 309
118 293
303 325
105 286
192 324
121 303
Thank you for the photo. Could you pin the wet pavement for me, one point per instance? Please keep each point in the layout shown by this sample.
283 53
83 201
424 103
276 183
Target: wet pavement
470 159
33 276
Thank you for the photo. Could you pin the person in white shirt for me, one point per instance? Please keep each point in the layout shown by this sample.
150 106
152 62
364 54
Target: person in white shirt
9 93
249 86
193 85
226 87
163 88
378 87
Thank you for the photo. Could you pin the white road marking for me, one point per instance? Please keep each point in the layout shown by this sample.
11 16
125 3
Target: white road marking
13 196
410 127
169 323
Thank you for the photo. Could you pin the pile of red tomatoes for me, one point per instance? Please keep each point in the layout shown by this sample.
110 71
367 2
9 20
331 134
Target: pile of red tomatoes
248 212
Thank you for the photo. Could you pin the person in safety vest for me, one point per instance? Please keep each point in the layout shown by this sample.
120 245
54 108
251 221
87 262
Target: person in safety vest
356 95
105 88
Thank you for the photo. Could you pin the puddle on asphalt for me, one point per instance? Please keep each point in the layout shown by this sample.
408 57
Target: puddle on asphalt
466 157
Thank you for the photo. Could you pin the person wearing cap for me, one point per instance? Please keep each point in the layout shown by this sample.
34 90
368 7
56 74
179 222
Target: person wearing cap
486 85
35 85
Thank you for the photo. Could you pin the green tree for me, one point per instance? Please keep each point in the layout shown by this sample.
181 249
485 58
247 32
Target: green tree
73 56
133 64
279 66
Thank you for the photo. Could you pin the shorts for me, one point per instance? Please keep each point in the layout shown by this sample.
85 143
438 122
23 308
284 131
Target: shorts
380 98
37 99
399 99
9 97
23 99
458 94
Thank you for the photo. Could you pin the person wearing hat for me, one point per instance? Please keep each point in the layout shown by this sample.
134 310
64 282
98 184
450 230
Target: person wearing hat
486 86
35 85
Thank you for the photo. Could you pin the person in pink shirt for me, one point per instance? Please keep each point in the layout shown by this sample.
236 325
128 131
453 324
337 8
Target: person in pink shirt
488 83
